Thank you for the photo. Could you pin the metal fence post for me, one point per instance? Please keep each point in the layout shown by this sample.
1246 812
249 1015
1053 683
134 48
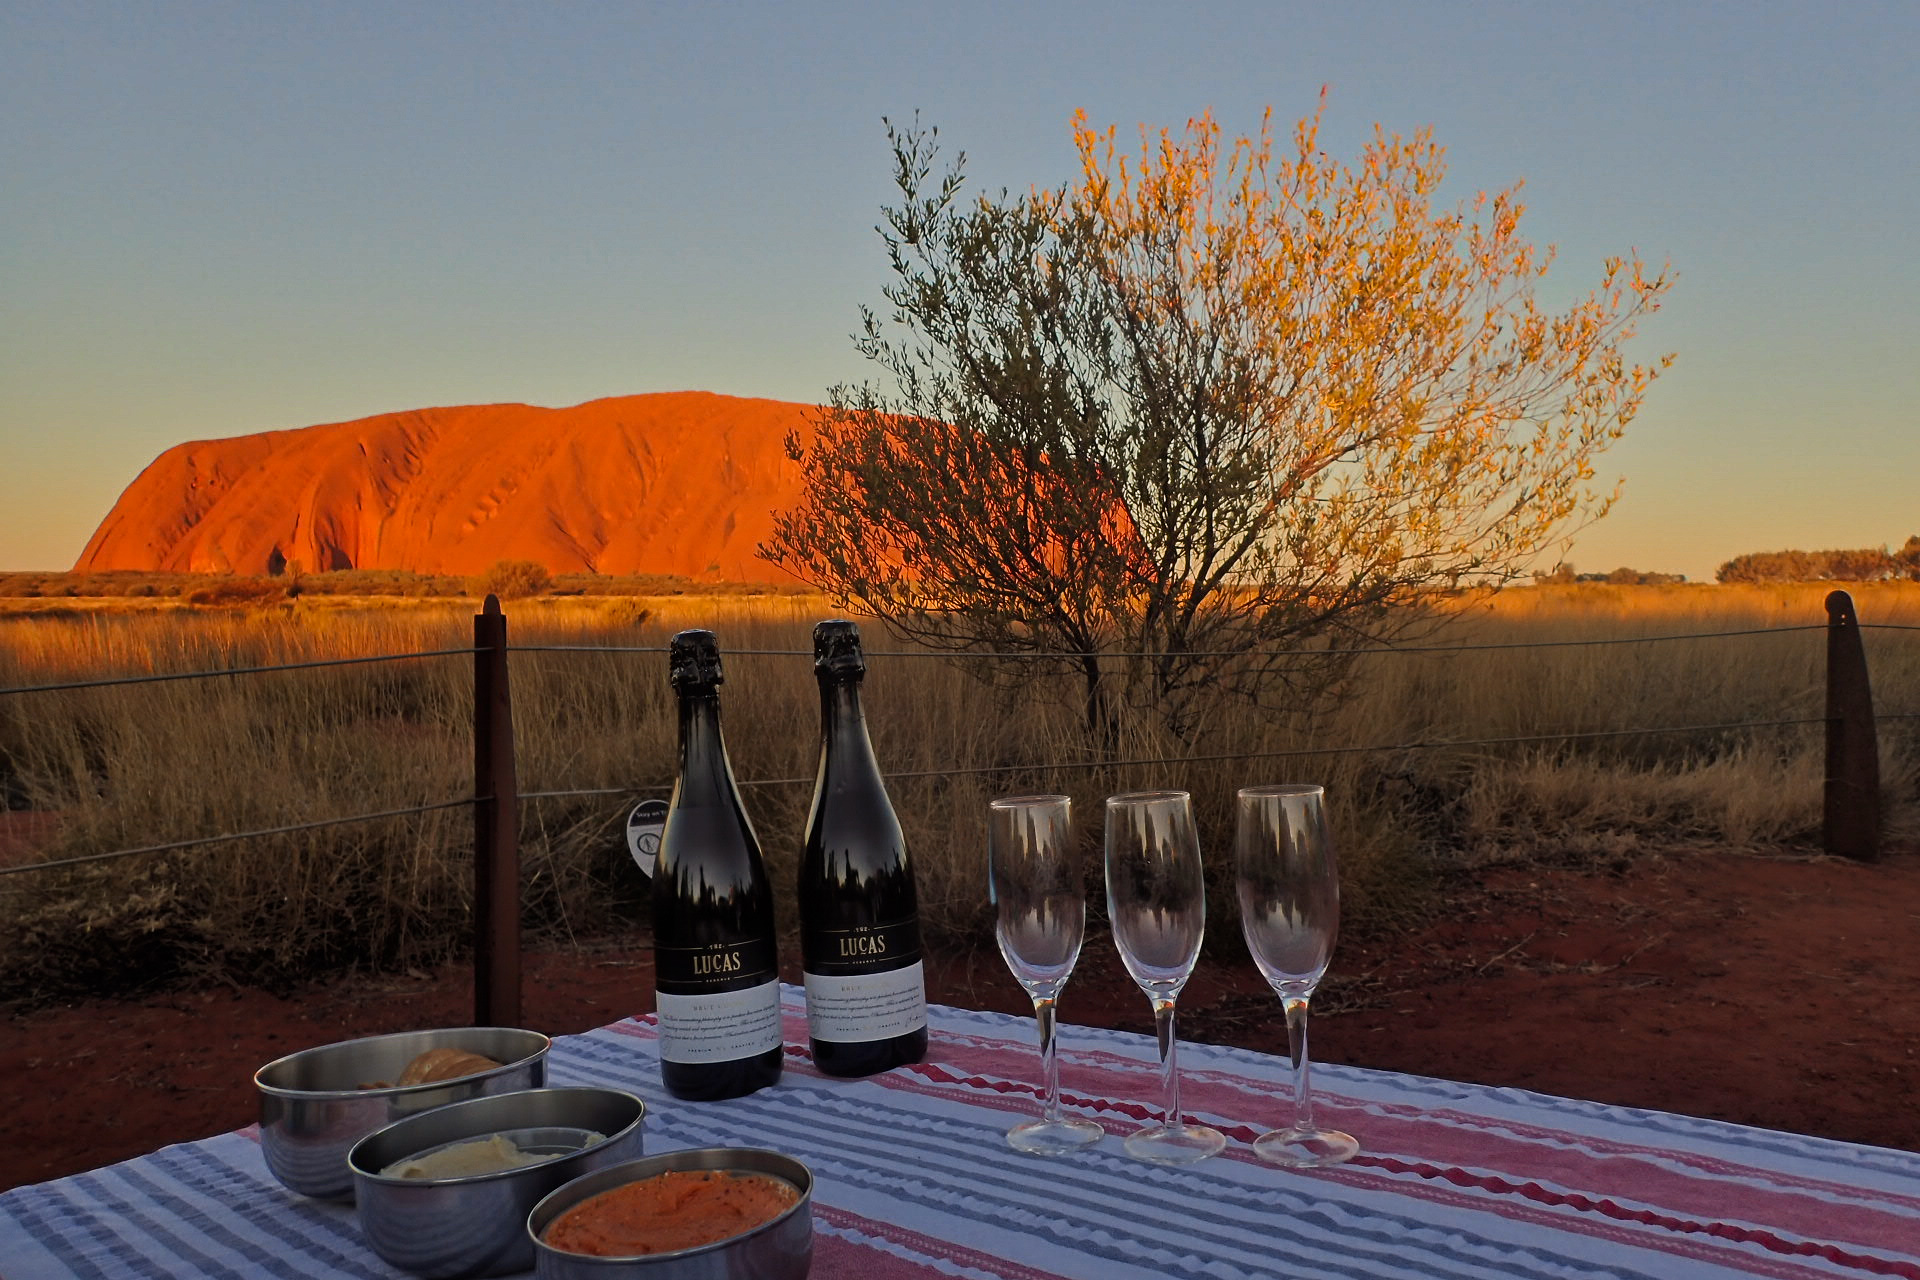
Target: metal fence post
496 829
1851 825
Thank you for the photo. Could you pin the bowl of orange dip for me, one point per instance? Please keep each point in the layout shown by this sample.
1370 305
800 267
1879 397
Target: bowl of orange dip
709 1213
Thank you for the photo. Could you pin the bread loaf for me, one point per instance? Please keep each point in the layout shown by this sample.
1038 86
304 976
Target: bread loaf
444 1064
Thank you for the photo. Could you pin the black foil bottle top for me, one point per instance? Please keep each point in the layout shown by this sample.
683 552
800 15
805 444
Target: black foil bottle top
836 650
694 661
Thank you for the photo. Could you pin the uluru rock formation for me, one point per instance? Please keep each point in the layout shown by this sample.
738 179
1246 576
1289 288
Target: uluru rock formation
676 483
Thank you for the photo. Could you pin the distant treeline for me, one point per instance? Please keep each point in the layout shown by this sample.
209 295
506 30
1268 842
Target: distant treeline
1868 564
1565 575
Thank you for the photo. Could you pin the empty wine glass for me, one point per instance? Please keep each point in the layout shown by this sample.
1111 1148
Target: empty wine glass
1157 900
1040 918
1289 891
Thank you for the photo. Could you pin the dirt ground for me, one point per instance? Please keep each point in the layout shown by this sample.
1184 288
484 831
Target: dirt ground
1774 992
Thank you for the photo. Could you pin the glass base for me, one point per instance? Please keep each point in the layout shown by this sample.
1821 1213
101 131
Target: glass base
1175 1143
1053 1137
1305 1148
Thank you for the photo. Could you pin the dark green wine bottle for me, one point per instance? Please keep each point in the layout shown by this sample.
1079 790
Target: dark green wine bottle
859 916
716 971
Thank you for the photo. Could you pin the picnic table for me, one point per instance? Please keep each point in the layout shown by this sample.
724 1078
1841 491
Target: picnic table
914 1179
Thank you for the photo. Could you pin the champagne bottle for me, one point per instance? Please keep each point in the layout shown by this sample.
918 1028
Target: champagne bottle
859 918
716 974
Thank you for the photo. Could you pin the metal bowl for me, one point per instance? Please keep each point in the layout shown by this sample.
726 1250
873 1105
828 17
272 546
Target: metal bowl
781 1249
445 1228
312 1108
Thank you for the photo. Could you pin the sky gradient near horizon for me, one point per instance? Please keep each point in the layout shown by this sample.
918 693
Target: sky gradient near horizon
222 218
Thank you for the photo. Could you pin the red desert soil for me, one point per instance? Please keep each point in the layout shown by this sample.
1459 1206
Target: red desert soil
1770 992
680 483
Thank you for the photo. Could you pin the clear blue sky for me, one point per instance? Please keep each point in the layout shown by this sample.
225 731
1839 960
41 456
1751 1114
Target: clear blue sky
225 218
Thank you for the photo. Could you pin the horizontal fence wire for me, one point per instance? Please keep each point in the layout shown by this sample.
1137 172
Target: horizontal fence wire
1440 744
235 835
967 771
1033 655
1021 655
1425 745
233 671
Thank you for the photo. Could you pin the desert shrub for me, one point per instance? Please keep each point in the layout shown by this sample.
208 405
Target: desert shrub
625 611
513 580
668 584
237 591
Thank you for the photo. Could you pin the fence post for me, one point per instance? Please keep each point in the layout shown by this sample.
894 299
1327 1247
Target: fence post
1851 825
496 829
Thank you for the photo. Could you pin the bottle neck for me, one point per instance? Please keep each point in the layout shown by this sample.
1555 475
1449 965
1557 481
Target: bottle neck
843 725
705 775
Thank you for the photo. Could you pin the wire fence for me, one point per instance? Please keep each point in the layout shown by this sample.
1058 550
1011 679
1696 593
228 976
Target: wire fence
1057 765
107 682
957 771
227 837
942 654
1067 654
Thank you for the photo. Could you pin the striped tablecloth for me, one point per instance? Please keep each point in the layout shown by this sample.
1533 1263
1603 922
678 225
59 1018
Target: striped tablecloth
915 1180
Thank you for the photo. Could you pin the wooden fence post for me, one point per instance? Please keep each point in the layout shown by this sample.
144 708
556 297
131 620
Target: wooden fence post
1851 825
496 829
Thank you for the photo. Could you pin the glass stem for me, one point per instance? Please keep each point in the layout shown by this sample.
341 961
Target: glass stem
1049 1060
1169 1058
1296 1007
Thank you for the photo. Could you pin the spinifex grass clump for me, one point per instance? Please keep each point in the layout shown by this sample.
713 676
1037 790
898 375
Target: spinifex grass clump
138 765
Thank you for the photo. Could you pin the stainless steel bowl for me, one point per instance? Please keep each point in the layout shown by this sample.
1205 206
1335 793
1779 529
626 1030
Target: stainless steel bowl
312 1108
781 1249
445 1228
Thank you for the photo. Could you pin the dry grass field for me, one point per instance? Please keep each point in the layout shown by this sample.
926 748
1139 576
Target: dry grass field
93 770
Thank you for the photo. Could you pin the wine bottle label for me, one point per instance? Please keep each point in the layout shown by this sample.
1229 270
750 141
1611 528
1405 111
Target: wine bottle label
869 949
848 1009
718 966
719 1026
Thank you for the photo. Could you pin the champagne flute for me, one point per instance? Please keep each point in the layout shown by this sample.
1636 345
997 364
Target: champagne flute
1040 912
1157 900
1289 891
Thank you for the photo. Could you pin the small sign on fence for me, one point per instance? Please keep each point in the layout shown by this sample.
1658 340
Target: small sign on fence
644 825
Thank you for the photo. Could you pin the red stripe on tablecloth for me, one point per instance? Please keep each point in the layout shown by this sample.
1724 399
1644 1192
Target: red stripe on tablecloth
919 1242
1795 1214
1606 1207
997 1072
1440 1192
836 1256
1613 1147
1800 1205
1679 1246
1608 1225
1502 1127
